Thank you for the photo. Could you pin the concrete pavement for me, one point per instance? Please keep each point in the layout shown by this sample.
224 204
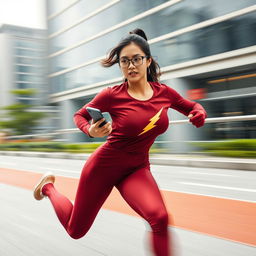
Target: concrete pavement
29 227
203 225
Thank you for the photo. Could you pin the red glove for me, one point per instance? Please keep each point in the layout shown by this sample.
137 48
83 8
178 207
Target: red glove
197 115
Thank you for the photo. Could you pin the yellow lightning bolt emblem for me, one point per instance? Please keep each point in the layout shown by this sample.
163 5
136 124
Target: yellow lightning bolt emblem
153 120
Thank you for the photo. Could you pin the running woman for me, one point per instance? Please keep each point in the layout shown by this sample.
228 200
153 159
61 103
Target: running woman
138 108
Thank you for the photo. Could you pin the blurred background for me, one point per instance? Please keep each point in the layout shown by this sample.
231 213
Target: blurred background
50 52
49 68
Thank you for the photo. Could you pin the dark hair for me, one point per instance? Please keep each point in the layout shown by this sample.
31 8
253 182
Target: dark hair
138 37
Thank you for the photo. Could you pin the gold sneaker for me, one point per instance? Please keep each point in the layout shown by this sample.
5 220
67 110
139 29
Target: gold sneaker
45 179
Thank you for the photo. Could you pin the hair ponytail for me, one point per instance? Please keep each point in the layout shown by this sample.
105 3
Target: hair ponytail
139 32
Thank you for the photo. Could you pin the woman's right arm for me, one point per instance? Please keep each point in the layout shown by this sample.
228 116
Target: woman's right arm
82 117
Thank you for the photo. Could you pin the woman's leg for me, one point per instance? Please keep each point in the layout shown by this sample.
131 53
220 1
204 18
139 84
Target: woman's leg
141 192
94 187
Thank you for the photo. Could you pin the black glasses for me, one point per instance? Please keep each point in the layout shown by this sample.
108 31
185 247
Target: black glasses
136 61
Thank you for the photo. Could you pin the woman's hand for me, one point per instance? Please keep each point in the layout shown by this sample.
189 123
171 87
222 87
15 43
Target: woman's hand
96 131
197 117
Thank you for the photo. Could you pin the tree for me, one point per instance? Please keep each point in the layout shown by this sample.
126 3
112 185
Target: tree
20 118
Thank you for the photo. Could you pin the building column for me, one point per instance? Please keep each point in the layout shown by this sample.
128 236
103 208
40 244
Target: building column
67 111
180 133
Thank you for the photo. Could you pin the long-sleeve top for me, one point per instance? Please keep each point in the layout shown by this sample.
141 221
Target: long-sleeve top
136 123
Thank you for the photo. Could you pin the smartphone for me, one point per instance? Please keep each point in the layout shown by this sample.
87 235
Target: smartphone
96 115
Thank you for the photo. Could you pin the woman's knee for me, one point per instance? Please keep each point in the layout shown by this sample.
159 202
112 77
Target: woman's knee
158 221
76 232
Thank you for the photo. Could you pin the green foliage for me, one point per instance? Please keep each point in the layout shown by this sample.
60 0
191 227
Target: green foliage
233 153
229 148
18 118
21 121
80 148
50 147
24 92
17 107
155 149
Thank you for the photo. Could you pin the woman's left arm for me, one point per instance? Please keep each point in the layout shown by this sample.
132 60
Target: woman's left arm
193 110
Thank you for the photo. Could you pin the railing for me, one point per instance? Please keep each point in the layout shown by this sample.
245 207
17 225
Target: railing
76 130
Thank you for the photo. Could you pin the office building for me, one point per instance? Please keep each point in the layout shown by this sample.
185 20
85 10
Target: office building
23 66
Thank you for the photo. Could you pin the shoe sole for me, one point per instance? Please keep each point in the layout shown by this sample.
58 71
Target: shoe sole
46 178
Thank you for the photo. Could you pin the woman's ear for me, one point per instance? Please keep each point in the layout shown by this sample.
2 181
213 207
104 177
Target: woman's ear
149 60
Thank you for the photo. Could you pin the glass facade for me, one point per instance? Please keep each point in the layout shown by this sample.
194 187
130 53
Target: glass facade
79 11
227 96
111 17
180 15
82 44
24 67
29 67
225 36
57 6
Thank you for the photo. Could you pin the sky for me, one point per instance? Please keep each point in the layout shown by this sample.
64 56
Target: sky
26 13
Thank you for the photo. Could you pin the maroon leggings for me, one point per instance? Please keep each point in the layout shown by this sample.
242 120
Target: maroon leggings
130 174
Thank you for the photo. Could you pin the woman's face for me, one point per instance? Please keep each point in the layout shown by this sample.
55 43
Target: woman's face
136 71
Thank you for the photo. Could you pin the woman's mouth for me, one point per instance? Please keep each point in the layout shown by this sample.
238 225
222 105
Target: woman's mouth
133 73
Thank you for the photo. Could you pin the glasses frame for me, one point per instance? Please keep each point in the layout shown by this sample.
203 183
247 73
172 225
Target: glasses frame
132 61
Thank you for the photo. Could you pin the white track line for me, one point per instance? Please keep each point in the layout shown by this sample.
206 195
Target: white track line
211 174
221 187
59 170
8 163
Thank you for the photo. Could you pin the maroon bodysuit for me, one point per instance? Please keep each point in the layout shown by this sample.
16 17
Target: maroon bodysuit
123 161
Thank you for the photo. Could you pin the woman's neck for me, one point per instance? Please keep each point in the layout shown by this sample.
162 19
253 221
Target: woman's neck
140 87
